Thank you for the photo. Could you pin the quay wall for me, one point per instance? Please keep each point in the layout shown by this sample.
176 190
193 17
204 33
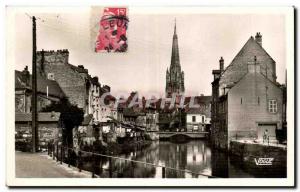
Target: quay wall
248 154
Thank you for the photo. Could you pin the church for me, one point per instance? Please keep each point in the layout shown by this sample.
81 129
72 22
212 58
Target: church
174 74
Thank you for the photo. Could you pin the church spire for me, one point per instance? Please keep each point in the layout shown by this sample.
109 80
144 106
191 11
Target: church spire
175 51
175 77
175 28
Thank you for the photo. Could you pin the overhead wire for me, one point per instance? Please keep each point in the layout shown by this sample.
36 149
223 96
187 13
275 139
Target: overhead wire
83 33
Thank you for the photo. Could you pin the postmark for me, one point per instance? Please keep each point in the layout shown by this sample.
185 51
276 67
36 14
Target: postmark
112 34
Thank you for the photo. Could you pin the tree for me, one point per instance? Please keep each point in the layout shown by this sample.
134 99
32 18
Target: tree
70 116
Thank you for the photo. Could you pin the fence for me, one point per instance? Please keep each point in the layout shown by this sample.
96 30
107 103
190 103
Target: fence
63 154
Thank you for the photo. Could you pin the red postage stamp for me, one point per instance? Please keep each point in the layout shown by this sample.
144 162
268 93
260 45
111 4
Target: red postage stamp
112 30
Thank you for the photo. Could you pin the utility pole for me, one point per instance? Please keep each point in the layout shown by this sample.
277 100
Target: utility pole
34 90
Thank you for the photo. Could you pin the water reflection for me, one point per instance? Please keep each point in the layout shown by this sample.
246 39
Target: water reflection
194 156
194 159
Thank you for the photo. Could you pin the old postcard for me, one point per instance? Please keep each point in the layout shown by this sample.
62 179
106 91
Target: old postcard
150 96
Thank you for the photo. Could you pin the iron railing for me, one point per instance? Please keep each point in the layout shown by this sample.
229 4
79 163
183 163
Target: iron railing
58 153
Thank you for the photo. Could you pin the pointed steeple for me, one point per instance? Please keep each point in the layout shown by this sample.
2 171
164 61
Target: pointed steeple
175 28
175 51
175 76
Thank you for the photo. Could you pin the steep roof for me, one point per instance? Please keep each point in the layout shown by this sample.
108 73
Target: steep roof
238 67
204 105
199 99
42 117
23 82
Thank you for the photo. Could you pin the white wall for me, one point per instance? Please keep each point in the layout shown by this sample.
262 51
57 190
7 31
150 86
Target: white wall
189 118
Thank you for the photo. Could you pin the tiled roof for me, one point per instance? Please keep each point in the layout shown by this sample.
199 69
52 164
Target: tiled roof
204 108
42 117
42 83
197 110
198 99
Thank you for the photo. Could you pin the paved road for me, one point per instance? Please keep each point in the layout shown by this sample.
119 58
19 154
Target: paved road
39 165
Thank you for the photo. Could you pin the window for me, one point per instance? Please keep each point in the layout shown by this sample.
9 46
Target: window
194 118
272 106
241 100
51 76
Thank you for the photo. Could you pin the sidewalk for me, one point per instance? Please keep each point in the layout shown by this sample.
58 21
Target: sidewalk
40 165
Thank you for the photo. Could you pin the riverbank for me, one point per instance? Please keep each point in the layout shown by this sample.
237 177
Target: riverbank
116 148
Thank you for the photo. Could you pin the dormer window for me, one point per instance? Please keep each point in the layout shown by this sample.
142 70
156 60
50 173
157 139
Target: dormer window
51 76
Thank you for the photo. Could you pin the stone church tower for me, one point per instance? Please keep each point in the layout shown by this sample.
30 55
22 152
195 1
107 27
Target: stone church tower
174 75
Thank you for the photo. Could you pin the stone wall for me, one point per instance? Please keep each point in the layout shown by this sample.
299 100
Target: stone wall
20 103
23 135
214 109
248 152
71 79
248 105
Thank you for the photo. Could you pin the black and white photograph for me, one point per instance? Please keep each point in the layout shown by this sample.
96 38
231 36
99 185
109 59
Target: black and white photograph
150 96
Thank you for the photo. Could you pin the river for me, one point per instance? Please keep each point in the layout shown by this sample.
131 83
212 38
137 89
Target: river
194 159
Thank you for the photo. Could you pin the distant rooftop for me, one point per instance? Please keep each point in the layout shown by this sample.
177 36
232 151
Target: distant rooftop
23 81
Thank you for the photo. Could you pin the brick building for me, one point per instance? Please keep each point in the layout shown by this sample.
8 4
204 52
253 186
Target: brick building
78 86
246 99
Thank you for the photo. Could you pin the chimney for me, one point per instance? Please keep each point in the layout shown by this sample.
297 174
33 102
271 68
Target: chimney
258 38
42 60
81 66
26 75
221 61
51 56
95 79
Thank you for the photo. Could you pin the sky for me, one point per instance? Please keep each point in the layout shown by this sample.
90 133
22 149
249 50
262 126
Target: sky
202 38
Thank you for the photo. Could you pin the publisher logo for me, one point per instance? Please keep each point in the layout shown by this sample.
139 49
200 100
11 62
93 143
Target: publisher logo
263 161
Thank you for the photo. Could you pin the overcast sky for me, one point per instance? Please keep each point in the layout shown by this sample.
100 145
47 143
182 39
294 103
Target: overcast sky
202 39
